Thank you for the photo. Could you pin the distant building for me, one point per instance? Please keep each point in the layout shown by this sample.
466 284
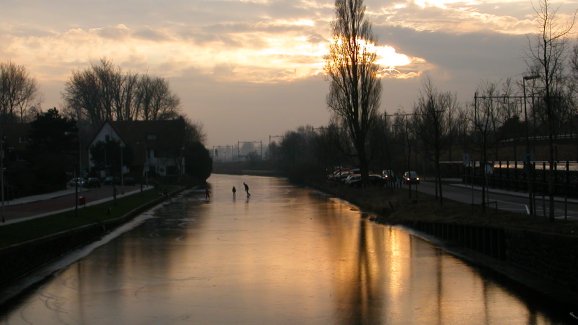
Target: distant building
156 146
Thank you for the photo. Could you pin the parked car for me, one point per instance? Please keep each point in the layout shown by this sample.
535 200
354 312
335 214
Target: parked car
410 177
92 182
109 180
77 181
338 174
353 179
372 179
388 175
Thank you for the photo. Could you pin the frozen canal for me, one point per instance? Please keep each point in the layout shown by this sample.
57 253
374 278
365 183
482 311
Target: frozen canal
287 255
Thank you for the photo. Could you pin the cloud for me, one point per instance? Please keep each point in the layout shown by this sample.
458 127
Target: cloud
456 16
265 46
266 41
119 32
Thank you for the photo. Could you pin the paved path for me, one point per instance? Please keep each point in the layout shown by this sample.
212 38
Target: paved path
506 200
46 204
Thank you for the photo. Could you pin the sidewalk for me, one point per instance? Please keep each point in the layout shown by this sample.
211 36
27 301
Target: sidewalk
42 197
511 193
38 206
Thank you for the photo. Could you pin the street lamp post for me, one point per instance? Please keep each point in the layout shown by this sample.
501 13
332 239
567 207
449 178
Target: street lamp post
121 166
527 159
75 172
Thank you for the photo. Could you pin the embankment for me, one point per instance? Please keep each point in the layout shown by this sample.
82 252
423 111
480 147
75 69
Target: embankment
21 259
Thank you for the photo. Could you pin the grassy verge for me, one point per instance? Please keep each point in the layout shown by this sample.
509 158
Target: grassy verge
393 206
41 227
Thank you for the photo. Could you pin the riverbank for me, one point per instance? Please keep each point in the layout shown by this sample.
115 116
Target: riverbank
49 223
25 246
394 206
534 252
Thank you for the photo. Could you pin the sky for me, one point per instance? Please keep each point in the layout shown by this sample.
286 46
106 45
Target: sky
250 69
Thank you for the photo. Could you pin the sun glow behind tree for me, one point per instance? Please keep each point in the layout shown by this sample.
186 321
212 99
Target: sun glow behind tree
354 83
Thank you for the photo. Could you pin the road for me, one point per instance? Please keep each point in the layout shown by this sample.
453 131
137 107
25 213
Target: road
42 205
504 200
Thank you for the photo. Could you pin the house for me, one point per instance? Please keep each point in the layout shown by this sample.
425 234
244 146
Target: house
15 139
150 148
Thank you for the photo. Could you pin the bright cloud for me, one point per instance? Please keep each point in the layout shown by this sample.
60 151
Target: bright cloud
261 48
458 16
258 55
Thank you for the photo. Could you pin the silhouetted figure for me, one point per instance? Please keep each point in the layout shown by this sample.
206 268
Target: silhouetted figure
234 191
207 193
246 189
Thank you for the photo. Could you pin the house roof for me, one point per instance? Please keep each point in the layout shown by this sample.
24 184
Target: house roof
163 135
15 134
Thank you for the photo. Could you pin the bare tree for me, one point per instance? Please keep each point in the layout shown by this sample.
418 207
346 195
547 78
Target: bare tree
17 90
457 127
485 111
194 131
103 92
509 108
82 95
127 98
355 88
431 111
154 99
547 53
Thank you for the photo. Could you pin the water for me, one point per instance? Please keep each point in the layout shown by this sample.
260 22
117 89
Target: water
287 255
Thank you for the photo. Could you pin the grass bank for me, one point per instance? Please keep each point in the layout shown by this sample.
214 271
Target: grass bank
34 229
393 206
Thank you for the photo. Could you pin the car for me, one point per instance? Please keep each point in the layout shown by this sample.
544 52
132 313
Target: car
372 179
410 177
109 180
352 179
348 174
92 182
77 181
336 174
388 175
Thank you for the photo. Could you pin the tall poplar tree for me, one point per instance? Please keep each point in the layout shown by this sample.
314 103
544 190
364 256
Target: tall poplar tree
355 87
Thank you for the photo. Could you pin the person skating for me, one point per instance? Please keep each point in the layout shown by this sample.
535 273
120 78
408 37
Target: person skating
246 189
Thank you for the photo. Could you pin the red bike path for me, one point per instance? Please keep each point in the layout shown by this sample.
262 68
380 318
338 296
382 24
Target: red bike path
38 206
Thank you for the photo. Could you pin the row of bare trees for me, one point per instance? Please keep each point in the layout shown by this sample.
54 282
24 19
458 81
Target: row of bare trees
96 94
104 92
17 92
